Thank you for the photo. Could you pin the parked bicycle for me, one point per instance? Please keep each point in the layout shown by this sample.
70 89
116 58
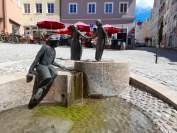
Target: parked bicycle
13 38
3 36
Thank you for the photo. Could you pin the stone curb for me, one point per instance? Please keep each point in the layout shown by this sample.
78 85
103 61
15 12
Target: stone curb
11 78
162 92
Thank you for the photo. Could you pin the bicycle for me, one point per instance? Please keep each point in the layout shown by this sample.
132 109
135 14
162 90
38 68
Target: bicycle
2 37
13 38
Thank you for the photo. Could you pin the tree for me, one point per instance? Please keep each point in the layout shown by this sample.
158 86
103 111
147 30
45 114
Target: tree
160 34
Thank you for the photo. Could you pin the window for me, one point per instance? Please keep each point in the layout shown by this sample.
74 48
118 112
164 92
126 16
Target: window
50 7
38 8
108 7
26 8
72 8
91 8
123 7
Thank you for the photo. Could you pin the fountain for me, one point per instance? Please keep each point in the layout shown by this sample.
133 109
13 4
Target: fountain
64 110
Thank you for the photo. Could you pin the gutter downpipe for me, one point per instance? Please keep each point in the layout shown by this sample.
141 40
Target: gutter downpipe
4 15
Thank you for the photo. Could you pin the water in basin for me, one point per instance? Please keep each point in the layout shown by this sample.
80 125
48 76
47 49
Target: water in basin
111 115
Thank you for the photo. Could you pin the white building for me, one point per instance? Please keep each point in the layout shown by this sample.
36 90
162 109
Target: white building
139 36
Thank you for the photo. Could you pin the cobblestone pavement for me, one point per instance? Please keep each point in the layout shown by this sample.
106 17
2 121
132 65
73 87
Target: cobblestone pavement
15 58
162 115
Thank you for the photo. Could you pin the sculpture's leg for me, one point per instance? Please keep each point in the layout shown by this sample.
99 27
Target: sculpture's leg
72 50
39 94
99 51
80 54
41 91
36 84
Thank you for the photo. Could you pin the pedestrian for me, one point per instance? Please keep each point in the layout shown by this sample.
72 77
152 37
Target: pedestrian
42 68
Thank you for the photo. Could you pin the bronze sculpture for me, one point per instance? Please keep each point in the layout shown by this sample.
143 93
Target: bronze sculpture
76 48
42 68
101 40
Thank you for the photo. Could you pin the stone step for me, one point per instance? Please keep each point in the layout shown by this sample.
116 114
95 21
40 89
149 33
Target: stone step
158 90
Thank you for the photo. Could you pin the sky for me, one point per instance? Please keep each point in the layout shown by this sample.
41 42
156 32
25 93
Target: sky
143 8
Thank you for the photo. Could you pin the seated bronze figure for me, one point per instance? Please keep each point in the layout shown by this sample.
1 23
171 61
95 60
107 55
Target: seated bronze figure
42 68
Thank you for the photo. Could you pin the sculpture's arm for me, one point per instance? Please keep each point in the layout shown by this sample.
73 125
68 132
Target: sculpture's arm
36 61
95 35
61 66
105 34
83 36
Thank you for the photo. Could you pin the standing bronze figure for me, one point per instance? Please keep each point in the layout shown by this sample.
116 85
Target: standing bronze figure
76 47
42 68
101 40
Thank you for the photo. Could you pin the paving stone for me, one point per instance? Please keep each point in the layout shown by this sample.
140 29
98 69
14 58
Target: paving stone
162 115
17 58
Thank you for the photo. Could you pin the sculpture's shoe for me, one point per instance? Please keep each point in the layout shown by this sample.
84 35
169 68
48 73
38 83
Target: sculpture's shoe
37 97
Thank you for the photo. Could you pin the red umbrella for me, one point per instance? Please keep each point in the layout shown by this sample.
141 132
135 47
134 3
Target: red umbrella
111 29
132 30
50 24
89 34
82 26
64 31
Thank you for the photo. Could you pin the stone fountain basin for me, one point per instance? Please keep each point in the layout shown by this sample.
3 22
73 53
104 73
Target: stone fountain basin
109 115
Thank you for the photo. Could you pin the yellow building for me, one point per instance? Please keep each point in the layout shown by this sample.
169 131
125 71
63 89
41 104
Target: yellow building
37 10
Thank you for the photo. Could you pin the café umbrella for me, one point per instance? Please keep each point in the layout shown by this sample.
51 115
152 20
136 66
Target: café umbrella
89 34
111 29
81 26
50 24
65 31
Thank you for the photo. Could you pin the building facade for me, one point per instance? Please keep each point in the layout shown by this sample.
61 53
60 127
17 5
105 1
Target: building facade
154 28
146 31
163 24
120 13
37 10
10 17
140 39
170 24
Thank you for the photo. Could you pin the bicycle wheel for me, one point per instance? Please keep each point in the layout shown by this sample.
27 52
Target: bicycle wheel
10 39
15 40
2 38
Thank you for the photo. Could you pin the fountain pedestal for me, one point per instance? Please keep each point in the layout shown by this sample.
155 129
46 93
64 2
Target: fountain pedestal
67 88
105 78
